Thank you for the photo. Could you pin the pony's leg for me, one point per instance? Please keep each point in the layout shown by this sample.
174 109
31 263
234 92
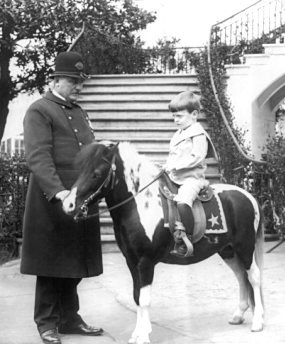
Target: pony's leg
240 273
143 328
255 279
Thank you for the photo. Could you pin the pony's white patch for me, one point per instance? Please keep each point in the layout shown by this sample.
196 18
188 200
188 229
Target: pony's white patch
254 276
139 172
227 187
143 328
145 296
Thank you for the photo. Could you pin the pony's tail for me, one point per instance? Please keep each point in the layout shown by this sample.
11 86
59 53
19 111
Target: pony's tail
258 256
259 250
259 244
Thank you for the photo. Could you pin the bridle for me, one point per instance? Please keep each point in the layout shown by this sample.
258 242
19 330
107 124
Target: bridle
110 179
82 213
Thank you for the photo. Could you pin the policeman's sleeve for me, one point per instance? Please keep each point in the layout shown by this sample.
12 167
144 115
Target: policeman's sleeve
39 152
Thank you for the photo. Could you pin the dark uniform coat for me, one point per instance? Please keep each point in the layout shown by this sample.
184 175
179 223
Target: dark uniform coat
54 244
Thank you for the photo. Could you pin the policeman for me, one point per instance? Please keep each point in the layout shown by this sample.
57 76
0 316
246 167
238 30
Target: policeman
59 251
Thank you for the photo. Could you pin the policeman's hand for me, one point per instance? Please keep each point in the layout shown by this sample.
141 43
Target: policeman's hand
173 172
61 195
169 168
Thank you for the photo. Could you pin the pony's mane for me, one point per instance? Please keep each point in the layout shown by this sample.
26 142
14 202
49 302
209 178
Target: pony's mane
139 170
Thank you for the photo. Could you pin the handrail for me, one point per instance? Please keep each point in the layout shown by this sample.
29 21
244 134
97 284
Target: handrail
222 113
263 21
232 16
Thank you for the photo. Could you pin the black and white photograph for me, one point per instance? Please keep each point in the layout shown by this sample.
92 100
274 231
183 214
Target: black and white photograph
142 171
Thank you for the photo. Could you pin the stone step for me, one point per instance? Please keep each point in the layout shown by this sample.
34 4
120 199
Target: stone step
154 115
130 80
109 243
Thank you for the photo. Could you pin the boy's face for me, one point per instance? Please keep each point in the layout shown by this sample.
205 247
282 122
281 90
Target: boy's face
184 119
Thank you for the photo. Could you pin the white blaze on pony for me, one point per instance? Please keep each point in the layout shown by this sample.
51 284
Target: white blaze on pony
144 241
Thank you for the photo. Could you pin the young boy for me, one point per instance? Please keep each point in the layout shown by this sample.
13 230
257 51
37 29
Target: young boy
186 162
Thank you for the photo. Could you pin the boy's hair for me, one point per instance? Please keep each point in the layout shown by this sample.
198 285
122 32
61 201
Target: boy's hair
186 100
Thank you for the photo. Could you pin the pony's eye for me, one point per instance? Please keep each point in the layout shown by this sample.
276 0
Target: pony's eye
96 175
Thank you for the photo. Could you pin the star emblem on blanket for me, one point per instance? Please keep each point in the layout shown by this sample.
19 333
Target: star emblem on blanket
214 220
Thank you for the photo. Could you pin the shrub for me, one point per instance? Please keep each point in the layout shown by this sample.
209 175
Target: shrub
14 177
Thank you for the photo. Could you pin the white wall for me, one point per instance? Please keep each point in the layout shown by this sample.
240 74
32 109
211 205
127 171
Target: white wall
255 90
17 110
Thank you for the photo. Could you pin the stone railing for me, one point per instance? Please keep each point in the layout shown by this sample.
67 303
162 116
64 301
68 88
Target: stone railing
246 31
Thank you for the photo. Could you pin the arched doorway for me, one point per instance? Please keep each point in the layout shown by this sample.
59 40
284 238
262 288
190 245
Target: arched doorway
264 109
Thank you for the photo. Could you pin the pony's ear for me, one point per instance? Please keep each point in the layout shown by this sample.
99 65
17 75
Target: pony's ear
112 150
107 143
110 144
114 147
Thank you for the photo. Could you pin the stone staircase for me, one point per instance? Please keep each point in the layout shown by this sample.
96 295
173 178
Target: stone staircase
134 108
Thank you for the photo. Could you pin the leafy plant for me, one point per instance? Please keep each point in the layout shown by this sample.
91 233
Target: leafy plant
229 157
14 177
33 32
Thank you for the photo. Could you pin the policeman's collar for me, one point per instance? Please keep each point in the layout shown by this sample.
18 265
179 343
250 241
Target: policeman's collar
59 99
55 93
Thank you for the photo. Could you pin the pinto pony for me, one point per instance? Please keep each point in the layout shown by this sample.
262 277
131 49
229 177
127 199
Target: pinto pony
128 182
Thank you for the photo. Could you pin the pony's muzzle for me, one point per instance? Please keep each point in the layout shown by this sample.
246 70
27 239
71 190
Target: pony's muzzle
68 207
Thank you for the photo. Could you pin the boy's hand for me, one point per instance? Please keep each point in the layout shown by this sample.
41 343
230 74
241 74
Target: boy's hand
161 167
173 171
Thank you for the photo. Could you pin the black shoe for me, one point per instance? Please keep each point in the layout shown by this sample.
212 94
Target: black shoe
179 251
50 337
82 329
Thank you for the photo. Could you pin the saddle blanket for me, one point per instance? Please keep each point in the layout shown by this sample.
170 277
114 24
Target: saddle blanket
209 217
215 217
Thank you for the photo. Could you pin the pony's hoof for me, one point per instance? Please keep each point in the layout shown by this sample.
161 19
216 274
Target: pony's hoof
236 320
136 340
257 327
257 324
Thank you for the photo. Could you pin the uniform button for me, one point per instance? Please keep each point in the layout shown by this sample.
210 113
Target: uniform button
76 130
80 143
69 117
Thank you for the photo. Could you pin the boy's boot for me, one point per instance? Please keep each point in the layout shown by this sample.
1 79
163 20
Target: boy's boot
185 226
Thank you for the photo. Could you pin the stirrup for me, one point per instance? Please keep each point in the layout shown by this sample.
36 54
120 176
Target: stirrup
188 247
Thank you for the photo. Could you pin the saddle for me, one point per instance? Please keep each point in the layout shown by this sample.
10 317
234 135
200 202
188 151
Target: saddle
168 189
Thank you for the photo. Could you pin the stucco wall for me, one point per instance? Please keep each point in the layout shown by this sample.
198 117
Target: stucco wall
255 89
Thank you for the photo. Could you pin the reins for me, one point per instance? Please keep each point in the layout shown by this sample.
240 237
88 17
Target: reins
111 176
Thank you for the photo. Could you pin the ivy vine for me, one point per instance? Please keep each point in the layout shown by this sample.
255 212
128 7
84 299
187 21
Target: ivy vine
229 157
265 182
